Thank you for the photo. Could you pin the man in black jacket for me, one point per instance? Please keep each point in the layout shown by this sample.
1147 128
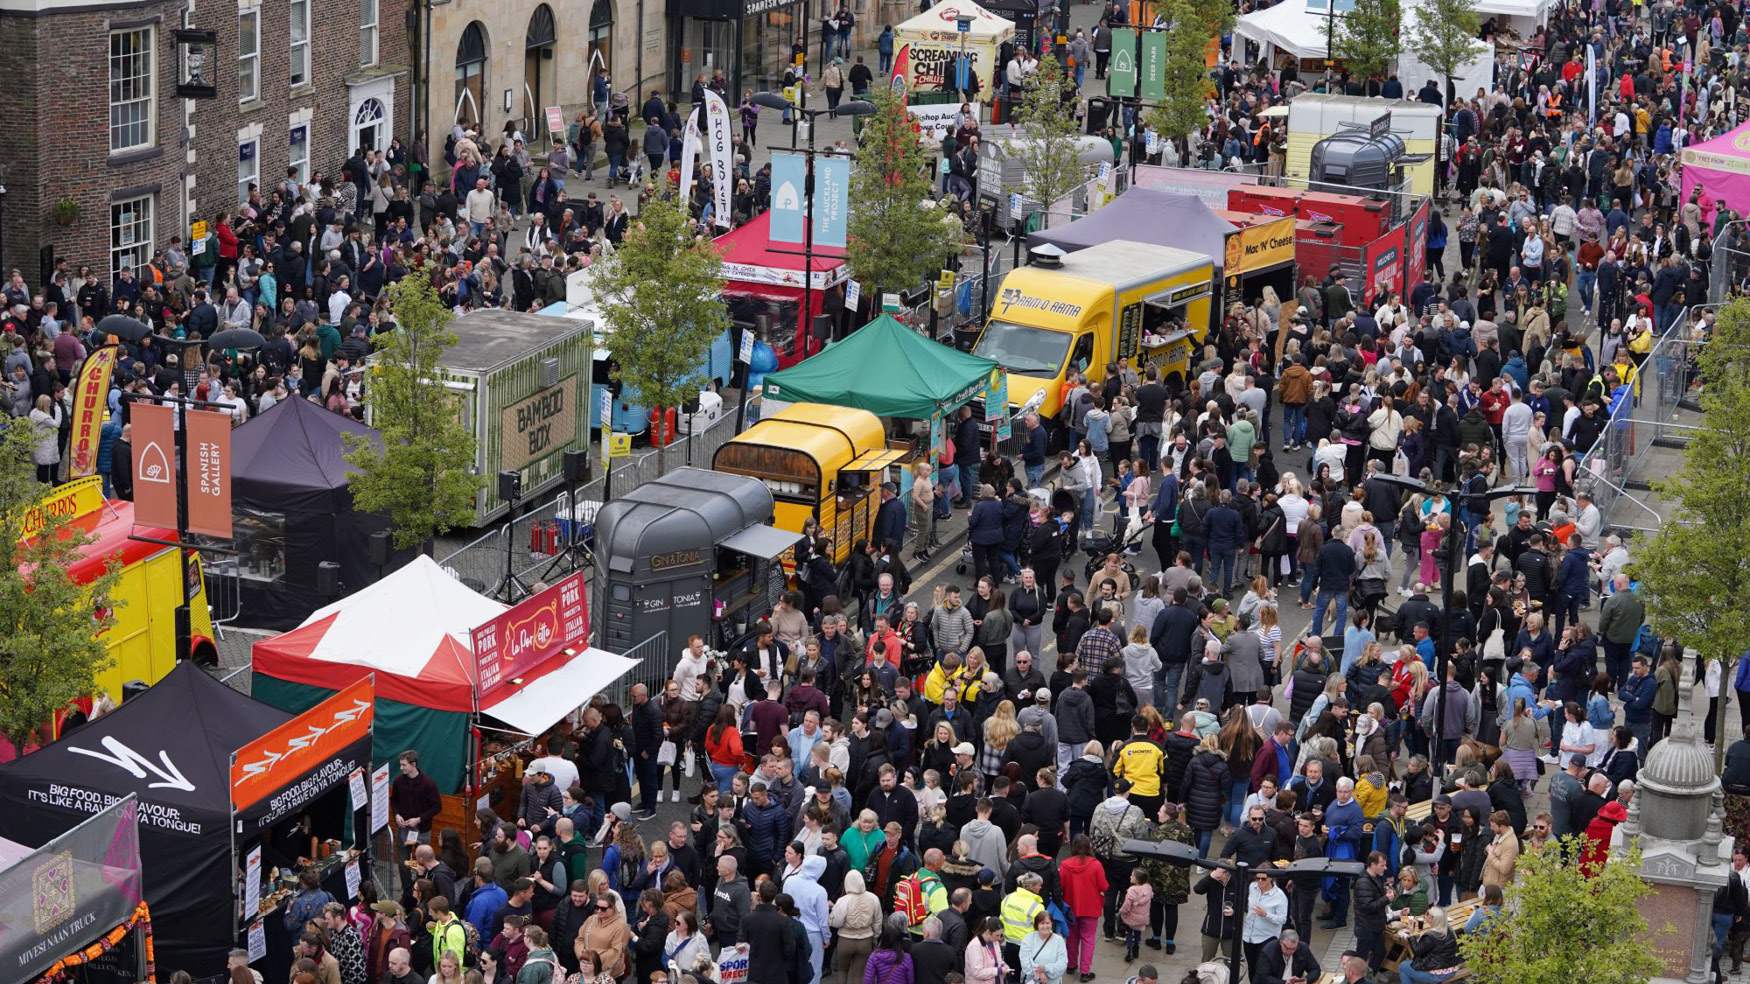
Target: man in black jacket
1372 898
646 742
1285 959
1253 842
568 919
1171 638
1336 567
771 949
932 959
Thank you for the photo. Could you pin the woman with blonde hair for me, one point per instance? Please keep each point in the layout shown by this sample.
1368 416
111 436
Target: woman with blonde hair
999 730
449 969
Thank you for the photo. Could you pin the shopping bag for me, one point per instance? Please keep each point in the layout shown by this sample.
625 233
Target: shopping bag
665 755
688 762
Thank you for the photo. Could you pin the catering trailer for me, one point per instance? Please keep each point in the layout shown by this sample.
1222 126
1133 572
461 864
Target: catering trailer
522 384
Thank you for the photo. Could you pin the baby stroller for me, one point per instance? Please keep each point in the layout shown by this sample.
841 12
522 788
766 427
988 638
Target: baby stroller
1098 545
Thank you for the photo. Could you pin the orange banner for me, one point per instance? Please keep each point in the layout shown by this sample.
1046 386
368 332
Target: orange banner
90 399
283 755
154 427
209 473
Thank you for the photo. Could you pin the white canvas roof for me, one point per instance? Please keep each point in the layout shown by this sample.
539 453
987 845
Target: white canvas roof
403 621
940 23
1289 26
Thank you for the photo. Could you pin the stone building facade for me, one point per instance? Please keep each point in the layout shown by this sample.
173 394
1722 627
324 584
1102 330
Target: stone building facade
104 160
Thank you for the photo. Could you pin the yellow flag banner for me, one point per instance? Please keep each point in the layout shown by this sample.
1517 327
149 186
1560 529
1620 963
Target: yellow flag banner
90 403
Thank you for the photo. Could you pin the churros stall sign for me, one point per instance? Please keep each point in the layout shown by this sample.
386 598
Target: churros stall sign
529 634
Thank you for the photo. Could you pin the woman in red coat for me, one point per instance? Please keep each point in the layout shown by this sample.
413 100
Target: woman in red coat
1598 833
1084 891
227 250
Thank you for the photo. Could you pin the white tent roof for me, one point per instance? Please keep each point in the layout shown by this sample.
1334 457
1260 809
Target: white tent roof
427 608
939 23
1289 26
1538 9
534 708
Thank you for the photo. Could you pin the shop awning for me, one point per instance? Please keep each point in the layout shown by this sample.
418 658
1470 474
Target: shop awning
535 708
760 540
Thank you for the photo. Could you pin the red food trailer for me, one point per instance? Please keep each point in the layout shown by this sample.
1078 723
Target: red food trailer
767 278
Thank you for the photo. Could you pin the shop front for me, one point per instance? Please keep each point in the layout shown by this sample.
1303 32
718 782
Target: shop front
1258 254
748 41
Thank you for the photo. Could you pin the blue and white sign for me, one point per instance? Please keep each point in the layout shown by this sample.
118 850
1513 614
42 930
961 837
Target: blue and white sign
853 294
832 196
1014 205
789 196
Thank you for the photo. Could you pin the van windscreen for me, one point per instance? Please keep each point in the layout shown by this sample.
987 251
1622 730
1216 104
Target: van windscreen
1023 349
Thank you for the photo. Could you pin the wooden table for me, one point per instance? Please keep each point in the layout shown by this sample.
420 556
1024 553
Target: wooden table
1397 939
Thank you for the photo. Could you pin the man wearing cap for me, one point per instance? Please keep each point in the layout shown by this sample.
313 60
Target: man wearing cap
387 934
541 801
1031 751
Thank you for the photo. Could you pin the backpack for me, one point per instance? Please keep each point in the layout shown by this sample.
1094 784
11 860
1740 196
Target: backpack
911 896
1124 703
1105 835
472 948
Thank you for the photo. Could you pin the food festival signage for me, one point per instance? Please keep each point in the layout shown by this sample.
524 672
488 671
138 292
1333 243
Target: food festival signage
534 631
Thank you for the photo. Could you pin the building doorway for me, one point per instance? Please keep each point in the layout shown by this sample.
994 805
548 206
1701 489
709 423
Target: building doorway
540 79
471 75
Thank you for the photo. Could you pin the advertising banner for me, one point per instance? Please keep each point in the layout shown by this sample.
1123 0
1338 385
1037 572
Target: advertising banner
1416 250
154 427
1121 70
789 185
718 142
690 141
832 195
1384 266
209 473
267 764
1154 66
90 401
527 635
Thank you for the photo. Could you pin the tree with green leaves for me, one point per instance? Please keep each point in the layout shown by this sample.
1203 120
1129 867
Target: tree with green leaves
661 297
1188 84
895 231
1444 38
1696 569
1564 921
1051 165
420 474
1367 37
51 649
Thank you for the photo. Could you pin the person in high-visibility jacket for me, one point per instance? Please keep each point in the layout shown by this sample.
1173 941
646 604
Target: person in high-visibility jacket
1142 762
1018 909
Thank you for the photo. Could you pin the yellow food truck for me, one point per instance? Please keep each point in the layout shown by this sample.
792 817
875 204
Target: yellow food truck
1116 302
142 642
819 461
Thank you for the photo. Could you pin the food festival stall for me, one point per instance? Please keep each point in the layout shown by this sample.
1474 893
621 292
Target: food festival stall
228 788
765 278
690 553
933 44
460 678
73 908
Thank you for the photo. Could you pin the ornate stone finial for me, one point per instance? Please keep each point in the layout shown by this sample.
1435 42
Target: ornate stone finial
1712 837
1676 786
1631 828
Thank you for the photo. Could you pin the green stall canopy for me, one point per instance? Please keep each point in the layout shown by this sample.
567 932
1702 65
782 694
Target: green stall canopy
888 370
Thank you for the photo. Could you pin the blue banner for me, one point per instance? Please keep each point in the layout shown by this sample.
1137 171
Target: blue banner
789 184
832 195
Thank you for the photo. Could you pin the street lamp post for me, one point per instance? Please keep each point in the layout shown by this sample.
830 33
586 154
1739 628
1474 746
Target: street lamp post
1454 547
855 107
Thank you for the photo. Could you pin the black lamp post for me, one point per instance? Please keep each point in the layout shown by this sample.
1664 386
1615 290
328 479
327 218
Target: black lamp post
854 107
1454 547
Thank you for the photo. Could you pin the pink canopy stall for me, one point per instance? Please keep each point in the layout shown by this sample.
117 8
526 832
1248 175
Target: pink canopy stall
1721 169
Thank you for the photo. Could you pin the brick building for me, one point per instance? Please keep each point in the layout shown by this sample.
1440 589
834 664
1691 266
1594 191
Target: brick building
104 161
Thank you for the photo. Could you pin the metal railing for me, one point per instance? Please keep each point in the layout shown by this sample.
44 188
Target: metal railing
508 561
1729 269
655 665
1658 411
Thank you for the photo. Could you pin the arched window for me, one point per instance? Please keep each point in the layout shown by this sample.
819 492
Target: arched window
541 29
471 74
601 37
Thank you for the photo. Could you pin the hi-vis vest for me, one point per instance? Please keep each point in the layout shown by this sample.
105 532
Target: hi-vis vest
1019 910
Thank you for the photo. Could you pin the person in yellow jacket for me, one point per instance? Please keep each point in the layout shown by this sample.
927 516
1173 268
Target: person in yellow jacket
1018 909
447 932
1142 762
948 671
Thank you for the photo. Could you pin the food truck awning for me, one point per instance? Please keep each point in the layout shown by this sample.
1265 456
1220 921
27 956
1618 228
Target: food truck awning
536 707
760 540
